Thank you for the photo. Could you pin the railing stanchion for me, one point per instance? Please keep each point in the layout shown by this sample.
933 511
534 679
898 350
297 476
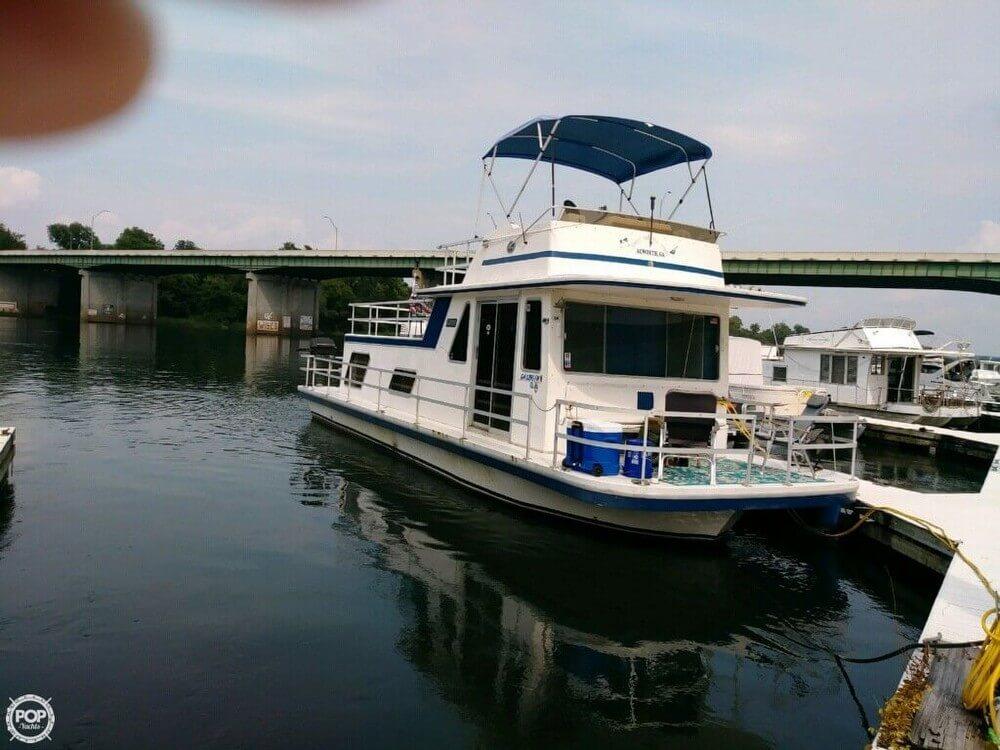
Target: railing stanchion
752 420
378 392
645 450
790 443
854 445
527 431
416 414
555 434
663 430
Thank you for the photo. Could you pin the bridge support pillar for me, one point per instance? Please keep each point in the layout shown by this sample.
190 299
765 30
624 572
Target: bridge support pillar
425 277
282 305
27 293
117 298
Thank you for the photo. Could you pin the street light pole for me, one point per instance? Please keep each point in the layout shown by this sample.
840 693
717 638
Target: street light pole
336 234
93 220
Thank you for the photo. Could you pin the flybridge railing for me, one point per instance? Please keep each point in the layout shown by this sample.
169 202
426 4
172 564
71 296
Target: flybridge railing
930 396
405 319
334 372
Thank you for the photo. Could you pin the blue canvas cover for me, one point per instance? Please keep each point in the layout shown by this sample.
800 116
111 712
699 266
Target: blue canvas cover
612 147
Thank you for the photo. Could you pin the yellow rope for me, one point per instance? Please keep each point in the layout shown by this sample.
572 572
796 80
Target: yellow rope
980 690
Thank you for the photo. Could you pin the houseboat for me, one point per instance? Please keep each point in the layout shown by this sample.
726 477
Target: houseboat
571 364
879 368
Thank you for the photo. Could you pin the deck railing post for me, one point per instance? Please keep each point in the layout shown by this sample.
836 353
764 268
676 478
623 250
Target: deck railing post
378 397
329 372
752 419
659 475
416 415
854 445
555 433
790 443
527 431
645 450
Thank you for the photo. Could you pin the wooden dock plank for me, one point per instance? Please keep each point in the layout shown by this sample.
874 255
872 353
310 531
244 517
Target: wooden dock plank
938 723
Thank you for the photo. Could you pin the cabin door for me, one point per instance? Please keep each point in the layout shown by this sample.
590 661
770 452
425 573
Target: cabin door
495 364
901 377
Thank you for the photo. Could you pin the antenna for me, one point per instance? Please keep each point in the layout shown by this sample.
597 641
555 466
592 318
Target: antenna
652 209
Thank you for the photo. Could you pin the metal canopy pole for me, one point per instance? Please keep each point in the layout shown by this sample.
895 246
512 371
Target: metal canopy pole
708 195
543 146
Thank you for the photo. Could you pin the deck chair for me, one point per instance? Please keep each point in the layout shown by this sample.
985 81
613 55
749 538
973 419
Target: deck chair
689 432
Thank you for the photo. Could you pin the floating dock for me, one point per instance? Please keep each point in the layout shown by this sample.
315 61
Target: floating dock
933 680
6 453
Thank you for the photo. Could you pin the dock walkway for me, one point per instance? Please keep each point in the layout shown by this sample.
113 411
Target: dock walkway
6 452
973 519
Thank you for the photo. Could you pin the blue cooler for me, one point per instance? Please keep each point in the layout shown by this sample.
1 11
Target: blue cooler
600 461
633 461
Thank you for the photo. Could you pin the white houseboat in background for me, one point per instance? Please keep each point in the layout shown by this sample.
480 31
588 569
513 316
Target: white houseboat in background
986 378
571 365
878 368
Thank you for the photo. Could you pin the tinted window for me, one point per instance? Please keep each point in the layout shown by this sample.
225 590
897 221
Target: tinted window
460 344
532 356
359 366
824 368
583 350
852 369
780 374
837 376
636 341
402 381
640 342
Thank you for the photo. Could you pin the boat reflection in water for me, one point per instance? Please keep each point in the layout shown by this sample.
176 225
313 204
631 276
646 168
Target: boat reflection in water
541 633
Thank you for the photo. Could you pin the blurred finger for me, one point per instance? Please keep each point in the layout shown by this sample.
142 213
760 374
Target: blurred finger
68 63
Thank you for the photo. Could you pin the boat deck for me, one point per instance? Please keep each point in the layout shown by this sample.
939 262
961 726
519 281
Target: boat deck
729 471
973 520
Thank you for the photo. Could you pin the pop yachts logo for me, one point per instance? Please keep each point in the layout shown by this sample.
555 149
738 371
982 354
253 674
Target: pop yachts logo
30 718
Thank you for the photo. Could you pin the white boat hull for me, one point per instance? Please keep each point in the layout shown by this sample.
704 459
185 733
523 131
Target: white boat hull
514 490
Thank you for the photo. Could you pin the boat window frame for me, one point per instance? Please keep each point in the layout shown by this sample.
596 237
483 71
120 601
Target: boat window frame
355 365
461 333
707 316
398 384
537 331
825 368
783 377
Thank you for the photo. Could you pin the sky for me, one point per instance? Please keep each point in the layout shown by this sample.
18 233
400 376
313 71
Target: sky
840 126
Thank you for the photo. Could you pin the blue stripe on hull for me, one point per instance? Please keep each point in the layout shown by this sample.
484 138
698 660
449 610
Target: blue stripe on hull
602 499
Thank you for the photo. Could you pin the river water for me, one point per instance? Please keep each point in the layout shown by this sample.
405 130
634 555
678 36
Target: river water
187 561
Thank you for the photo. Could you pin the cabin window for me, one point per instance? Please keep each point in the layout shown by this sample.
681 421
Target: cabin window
838 369
635 341
402 380
824 368
780 374
583 350
640 342
358 368
877 366
531 358
460 344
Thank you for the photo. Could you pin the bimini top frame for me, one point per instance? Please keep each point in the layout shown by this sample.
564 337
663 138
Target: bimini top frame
615 148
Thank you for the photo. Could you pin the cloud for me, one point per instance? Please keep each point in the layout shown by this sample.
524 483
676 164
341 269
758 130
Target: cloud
18 186
987 239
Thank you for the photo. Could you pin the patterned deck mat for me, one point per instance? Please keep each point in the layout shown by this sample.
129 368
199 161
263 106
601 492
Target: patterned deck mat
731 472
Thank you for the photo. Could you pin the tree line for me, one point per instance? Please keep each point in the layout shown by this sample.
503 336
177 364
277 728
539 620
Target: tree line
773 335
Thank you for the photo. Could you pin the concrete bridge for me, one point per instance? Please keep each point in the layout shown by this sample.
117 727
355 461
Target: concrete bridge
120 286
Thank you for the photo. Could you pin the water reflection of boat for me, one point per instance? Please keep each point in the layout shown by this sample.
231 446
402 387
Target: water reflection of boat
537 631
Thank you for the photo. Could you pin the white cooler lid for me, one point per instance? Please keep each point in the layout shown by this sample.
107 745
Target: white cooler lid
595 425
